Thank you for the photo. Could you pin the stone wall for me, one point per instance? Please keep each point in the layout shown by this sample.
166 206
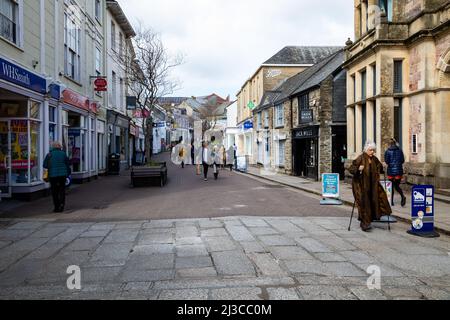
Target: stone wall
325 119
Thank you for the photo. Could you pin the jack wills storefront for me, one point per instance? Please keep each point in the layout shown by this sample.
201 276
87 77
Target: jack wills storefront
26 99
305 152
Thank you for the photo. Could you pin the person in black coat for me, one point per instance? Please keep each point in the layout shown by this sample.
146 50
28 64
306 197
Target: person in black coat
394 159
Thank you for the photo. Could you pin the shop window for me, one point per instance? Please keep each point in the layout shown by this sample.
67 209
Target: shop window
281 150
35 110
35 129
76 143
52 125
25 151
14 109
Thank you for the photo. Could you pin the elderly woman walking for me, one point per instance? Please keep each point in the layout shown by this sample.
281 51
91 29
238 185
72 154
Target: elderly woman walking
370 196
58 167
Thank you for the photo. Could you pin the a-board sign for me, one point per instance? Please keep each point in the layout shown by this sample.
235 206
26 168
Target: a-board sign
422 211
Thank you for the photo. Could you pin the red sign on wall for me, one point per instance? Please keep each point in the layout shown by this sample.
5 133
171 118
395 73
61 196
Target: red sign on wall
75 99
100 84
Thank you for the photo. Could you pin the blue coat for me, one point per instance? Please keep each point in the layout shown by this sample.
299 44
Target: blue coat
57 163
394 158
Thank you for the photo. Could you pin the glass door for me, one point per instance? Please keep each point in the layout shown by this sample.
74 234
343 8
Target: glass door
5 159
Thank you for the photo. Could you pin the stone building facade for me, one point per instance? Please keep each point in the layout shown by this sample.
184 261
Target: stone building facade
305 133
398 84
284 64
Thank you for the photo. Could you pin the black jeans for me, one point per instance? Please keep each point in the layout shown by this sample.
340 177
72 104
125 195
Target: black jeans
205 170
58 186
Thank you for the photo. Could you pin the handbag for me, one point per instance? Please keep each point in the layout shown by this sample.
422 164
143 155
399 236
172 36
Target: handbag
45 175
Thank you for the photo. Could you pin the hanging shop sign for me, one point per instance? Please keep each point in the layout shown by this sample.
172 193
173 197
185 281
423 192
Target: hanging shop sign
422 211
131 103
17 75
133 130
100 84
248 125
141 114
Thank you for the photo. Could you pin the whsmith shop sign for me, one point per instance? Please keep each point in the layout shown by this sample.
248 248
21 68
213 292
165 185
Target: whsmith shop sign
17 75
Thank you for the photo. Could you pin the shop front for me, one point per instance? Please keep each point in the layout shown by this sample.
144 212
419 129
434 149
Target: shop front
118 137
79 135
305 151
133 141
160 136
25 102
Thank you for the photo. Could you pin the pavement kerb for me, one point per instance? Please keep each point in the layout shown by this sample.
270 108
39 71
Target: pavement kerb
346 202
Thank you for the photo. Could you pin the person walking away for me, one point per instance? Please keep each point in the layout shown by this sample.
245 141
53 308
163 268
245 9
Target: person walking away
394 159
58 166
181 152
205 157
370 197
192 153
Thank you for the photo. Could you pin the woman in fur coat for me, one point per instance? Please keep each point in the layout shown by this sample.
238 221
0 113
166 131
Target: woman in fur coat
370 196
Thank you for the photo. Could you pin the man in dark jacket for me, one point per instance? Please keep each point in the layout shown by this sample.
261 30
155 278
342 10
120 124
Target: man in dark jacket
394 159
58 166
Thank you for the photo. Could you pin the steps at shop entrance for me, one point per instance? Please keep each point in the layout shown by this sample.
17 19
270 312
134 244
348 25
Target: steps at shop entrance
442 195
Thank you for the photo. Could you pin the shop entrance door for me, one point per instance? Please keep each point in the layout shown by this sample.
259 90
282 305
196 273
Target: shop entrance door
5 159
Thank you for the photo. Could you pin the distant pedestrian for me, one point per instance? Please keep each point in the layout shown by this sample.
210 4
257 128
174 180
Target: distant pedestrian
369 195
181 152
58 166
394 159
192 153
205 159
235 155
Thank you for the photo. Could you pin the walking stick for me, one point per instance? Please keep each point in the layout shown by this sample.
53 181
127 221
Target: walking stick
353 210
351 217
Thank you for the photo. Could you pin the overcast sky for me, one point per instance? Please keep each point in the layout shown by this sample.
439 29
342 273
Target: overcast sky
225 41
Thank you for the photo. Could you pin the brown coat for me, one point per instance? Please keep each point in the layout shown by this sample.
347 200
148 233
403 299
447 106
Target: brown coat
370 197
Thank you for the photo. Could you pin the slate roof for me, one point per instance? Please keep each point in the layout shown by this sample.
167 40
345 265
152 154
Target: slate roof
170 100
121 18
301 55
267 99
309 78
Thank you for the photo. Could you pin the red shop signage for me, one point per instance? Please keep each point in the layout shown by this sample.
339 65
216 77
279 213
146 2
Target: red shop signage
100 84
75 99
94 107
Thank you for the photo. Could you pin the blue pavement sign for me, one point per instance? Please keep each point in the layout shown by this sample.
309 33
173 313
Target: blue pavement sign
330 189
422 211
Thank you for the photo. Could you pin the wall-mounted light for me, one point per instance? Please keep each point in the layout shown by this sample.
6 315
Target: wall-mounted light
34 63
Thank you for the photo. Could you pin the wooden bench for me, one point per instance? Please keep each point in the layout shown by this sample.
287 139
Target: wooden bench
147 173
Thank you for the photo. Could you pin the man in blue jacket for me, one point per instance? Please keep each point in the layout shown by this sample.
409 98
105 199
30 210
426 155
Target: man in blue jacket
58 166
394 159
